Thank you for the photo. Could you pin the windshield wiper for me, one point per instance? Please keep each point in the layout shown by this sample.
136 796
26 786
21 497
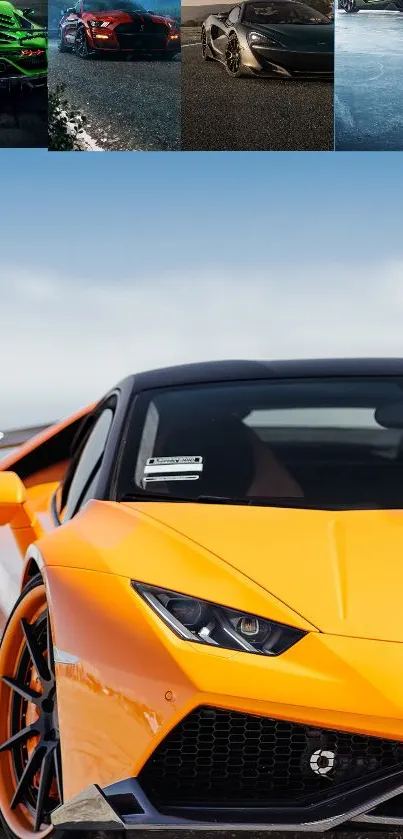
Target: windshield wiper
258 501
152 496
217 499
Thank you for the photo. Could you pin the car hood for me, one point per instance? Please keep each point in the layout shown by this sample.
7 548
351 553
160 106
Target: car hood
341 571
294 37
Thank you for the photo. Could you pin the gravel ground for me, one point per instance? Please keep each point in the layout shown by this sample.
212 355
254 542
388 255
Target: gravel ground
220 113
129 105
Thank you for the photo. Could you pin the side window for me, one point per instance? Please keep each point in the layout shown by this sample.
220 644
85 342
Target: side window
233 16
84 480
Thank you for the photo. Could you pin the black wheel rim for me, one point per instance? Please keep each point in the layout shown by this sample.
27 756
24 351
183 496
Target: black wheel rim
233 56
37 767
81 43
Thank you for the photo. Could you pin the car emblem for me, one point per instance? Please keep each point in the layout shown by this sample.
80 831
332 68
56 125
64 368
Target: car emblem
322 761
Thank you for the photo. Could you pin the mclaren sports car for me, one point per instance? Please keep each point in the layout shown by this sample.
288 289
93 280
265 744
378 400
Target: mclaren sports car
96 27
23 48
274 38
201 584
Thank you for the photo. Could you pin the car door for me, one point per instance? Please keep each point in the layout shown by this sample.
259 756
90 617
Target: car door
70 23
223 29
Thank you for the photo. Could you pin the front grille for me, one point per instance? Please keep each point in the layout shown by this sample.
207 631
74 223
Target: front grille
131 35
141 26
216 757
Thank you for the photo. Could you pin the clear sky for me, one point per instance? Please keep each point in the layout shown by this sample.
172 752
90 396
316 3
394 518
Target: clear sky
113 263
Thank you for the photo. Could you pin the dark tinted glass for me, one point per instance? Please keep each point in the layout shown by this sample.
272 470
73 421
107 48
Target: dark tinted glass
318 442
282 13
89 464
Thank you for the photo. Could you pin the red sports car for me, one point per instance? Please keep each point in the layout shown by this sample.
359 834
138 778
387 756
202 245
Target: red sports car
95 26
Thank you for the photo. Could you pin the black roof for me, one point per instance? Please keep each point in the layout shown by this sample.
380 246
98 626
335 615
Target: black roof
214 371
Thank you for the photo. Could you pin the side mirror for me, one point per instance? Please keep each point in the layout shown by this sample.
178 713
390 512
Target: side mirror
15 511
12 496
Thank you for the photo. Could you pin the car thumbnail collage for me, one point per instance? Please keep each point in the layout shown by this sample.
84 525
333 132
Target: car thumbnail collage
257 75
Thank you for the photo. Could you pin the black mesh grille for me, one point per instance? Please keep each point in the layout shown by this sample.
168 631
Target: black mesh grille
216 757
34 62
141 35
140 26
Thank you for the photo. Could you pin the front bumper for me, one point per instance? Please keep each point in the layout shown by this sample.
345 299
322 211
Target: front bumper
125 807
133 42
293 64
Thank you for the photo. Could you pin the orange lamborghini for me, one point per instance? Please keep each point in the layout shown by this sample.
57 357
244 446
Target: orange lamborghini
201 603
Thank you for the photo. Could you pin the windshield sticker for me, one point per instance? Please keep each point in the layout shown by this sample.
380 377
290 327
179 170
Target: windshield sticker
168 465
164 478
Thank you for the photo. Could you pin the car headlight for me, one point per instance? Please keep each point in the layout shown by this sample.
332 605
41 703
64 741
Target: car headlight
256 39
98 24
209 623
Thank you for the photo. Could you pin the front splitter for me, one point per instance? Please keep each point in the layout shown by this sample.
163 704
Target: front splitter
125 807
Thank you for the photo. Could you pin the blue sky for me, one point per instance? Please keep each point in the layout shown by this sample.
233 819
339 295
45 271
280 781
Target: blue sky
119 262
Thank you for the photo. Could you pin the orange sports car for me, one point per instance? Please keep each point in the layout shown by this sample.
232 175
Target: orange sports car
200 596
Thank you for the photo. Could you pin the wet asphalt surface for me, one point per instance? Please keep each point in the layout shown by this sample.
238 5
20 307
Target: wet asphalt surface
369 81
23 119
129 105
220 113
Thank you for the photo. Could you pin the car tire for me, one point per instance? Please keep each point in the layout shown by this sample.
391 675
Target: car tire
29 726
205 50
81 47
233 58
61 46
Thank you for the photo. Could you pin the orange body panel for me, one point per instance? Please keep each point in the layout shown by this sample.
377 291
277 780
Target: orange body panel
125 679
125 661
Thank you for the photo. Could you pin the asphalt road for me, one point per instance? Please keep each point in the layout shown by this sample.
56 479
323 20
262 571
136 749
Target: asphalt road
369 81
129 105
220 113
23 120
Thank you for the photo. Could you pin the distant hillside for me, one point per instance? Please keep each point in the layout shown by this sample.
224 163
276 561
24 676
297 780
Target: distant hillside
196 14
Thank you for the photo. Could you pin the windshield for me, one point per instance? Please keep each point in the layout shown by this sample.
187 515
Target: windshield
109 6
319 442
282 13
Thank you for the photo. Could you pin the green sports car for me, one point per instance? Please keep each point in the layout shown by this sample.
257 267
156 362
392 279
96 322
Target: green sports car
23 48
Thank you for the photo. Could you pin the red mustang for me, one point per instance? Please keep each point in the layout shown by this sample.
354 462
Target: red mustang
95 26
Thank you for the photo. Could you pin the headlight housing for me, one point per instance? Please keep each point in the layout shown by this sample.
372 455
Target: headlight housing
98 24
257 39
209 623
